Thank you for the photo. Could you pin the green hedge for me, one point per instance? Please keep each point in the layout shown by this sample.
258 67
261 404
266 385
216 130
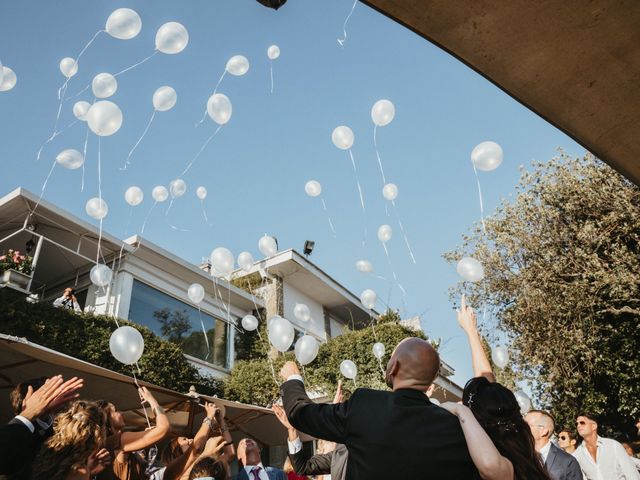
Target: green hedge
86 337
252 381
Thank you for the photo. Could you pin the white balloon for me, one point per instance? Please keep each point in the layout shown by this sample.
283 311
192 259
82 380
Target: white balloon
126 345
80 110
342 137
487 156
68 67
245 261
164 98
270 321
249 323
470 269
313 188
364 266
348 369
96 208
100 275
378 350
237 65
390 191
273 52
104 118
177 188
222 260
302 312
384 233
104 85
500 356
70 159
195 292
524 401
201 192
306 349
134 196
382 112
281 333
9 79
160 193
267 246
219 108
368 298
172 38
123 24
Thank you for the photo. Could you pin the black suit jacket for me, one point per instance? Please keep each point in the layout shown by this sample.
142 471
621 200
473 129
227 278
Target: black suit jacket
333 463
397 434
18 446
561 465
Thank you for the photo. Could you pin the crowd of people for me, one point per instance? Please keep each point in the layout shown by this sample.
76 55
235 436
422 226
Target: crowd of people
373 434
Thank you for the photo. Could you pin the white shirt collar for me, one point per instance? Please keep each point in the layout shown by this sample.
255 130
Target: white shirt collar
248 468
544 452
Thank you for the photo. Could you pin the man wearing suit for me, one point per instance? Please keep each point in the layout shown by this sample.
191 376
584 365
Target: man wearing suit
252 468
560 464
22 437
397 434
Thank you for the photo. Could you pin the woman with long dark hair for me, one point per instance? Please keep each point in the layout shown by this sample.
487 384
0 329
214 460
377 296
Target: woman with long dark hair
498 438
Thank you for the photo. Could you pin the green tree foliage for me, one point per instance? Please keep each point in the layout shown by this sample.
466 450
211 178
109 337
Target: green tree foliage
87 337
562 263
253 381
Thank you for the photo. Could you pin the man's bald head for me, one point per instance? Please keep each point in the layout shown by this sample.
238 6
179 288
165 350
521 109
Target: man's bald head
413 364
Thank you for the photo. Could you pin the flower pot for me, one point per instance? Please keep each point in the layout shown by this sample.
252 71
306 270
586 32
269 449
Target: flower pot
15 278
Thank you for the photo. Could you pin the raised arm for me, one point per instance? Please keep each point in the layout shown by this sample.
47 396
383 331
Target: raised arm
469 323
490 463
320 420
132 441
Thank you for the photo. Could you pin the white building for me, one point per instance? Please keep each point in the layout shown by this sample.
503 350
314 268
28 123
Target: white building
150 285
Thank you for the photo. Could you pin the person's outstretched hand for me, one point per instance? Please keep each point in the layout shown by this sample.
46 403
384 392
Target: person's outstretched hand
282 416
50 396
467 317
339 396
288 369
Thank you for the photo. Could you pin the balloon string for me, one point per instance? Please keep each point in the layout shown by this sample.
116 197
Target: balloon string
128 161
78 59
54 135
395 277
271 73
324 206
135 380
204 212
100 197
166 216
404 235
44 186
364 213
484 230
204 332
84 156
144 224
193 160
226 310
342 40
375 144
204 115
155 52
273 369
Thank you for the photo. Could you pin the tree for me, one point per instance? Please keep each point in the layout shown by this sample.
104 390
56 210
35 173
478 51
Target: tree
174 324
561 262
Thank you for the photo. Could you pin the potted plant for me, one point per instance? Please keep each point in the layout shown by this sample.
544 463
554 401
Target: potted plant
16 268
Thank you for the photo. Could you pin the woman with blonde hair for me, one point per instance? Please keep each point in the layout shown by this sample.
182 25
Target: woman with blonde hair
72 451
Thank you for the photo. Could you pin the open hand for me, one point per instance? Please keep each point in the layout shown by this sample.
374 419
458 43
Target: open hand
50 396
282 416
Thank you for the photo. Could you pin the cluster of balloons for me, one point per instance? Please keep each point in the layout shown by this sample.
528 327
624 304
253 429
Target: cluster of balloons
126 345
470 269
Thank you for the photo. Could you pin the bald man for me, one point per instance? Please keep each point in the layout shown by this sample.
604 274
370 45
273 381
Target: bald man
560 464
388 434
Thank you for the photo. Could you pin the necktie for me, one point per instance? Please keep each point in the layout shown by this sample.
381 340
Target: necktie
256 473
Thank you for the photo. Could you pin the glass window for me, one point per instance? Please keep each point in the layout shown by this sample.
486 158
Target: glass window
179 323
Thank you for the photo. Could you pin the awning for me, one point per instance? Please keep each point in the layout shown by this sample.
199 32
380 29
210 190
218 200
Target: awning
21 360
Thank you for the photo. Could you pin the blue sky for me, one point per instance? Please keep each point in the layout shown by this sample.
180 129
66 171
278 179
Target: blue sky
256 167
